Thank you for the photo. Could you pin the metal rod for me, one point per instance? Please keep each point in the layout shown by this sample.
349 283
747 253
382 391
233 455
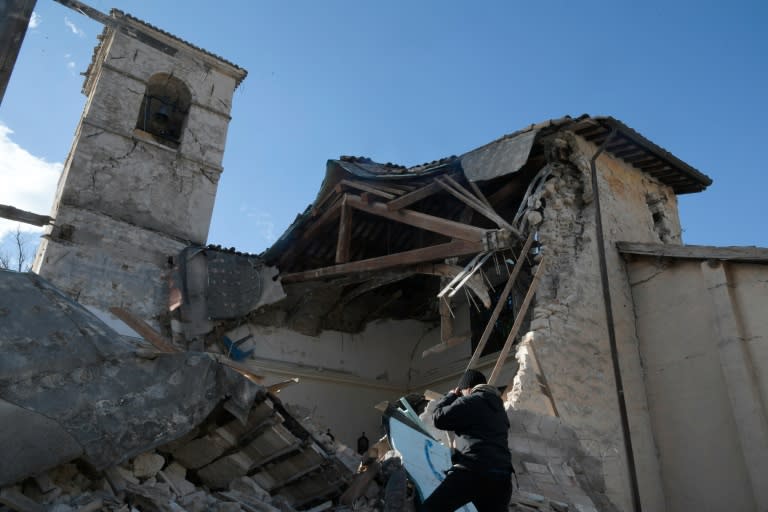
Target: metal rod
469 274
459 275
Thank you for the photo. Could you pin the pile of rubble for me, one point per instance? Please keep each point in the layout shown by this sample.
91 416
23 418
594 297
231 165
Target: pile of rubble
269 463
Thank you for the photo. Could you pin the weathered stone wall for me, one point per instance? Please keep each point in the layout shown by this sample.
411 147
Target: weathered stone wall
126 201
569 330
108 263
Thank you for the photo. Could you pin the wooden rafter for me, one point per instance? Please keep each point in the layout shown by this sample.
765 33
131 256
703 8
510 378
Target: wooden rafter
377 191
502 300
344 240
420 220
463 195
423 255
412 197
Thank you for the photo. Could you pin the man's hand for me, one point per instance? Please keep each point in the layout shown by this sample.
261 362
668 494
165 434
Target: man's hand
456 391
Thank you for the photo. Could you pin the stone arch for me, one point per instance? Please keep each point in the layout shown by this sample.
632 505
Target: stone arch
164 109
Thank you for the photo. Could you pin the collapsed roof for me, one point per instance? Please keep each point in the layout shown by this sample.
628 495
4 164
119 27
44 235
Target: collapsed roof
375 231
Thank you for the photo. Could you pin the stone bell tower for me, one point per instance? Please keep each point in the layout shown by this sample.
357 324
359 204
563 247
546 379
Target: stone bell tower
140 180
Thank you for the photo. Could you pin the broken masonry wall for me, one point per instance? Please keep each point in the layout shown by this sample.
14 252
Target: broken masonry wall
702 333
126 202
343 376
569 330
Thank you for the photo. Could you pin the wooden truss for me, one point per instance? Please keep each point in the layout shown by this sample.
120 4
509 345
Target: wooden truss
391 202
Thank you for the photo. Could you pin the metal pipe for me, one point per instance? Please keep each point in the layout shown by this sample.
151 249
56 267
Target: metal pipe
612 329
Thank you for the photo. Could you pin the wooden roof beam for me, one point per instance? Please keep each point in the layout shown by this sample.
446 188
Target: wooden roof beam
445 227
423 255
412 197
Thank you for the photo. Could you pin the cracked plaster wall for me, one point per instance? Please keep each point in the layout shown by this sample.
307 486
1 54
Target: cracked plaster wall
125 202
704 463
569 329
343 376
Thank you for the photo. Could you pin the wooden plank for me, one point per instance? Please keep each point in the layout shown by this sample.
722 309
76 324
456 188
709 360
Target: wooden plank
365 188
344 240
445 227
329 215
145 330
700 252
480 195
359 484
502 300
9 212
423 255
477 205
518 323
379 187
412 197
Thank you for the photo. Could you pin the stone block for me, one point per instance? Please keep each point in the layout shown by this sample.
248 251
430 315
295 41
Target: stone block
147 465
202 451
178 481
526 483
551 491
544 479
531 423
226 506
532 467
119 477
519 445
548 427
195 502
247 486
218 474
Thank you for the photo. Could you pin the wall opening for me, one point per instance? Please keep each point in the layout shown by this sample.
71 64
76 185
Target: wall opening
164 109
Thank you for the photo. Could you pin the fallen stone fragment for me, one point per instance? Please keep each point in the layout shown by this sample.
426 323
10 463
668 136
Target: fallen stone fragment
147 465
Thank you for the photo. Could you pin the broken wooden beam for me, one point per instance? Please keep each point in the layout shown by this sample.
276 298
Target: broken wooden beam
518 323
344 240
422 255
502 300
439 225
413 197
144 330
25 217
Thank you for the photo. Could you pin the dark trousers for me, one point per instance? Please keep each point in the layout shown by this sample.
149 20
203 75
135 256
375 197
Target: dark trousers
489 492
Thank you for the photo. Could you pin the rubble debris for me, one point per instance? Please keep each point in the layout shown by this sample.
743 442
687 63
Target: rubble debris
93 426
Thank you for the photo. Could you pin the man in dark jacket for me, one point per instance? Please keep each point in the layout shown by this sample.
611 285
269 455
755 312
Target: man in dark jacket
482 466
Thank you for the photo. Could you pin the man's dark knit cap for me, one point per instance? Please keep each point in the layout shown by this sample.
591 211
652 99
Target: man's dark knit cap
471 378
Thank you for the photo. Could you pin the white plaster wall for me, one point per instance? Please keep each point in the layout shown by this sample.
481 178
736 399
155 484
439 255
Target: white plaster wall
750 293
379 355
702 459
343 376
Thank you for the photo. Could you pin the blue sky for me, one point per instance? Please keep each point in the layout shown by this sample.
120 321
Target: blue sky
409 82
